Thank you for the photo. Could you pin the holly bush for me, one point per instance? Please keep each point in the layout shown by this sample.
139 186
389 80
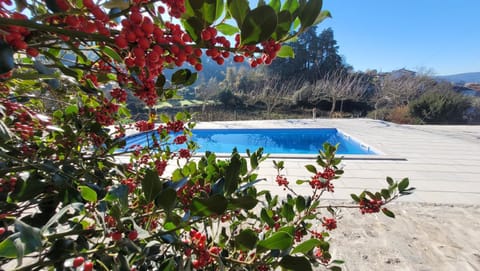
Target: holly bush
73 196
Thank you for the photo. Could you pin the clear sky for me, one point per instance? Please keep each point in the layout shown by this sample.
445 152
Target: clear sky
438 35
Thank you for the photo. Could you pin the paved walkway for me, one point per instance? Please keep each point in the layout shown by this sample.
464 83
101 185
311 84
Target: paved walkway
442 162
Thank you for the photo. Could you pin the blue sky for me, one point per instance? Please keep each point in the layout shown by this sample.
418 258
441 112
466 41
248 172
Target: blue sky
442 36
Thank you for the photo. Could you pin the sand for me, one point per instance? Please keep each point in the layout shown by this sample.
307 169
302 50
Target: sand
421 237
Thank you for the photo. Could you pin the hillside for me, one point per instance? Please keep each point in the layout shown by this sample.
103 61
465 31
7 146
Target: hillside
471 77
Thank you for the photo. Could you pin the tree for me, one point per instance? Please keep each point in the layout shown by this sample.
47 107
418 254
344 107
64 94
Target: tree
437 106
339 86
272 92
315 56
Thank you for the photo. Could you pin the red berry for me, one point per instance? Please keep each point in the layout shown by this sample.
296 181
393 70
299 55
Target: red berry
206 35
2 231
121 42
136 17
198 67
238 59
78 261
116 236
88 266
133 235
32 51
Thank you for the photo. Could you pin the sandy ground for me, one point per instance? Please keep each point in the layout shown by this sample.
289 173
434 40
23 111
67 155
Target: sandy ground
421 237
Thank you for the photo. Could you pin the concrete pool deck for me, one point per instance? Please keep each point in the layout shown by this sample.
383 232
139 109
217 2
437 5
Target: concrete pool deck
442 162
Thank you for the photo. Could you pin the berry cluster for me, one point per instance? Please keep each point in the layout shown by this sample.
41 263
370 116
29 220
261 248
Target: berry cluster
160 166
143 126
320 254
131 184
8 184
210 36
147 47
119 94
180 139
197 247
175 7
329 223
105 113
79 261
268 52
370 206
15 35
26 122
322 180
281 181
187 192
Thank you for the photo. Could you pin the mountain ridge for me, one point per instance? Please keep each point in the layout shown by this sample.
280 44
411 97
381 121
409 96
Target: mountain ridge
468 77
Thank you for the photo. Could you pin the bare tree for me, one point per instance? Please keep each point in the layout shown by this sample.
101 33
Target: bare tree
339 86
272 92
397 90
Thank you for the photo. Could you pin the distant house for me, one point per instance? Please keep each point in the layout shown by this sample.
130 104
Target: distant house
396 74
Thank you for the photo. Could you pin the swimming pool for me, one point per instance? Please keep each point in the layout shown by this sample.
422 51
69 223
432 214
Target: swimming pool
274 141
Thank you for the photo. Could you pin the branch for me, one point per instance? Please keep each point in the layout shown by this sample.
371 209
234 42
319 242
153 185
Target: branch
55 29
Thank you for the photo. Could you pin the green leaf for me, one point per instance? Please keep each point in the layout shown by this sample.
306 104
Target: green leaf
232 172
246 240
118 192
287 212
286 51
279 240
295 263
238 9
167 199
112 54
151 185
194 27
355 198
388 213
247 203
338 262
30 236
181 76
216 204
259 25
266 217
310 12
390 181
7 248
403 185
87 193
206 9
335 268
284 23
385 194
275 4
322 16
306 246
71 110
291 6
76 206
325 246
300 203
28 189
311 168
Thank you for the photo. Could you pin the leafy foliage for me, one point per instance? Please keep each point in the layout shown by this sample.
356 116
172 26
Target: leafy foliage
74 195
440 107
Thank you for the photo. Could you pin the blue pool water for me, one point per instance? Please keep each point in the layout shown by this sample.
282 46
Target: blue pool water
274 141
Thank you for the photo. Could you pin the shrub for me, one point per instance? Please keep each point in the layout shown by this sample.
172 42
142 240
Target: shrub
440 107
73 196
